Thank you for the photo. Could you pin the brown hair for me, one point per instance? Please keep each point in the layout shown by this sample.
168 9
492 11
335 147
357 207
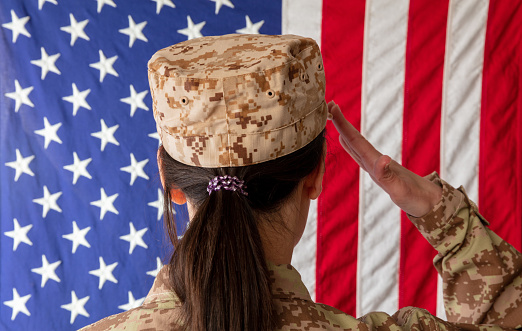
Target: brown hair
218 269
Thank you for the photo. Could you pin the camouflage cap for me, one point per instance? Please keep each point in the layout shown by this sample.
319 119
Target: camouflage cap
236 100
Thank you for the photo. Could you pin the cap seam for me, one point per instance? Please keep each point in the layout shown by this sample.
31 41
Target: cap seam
246 134
155 72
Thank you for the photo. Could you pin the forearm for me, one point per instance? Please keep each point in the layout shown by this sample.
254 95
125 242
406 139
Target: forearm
479 270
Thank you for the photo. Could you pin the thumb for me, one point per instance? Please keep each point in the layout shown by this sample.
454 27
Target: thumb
382 171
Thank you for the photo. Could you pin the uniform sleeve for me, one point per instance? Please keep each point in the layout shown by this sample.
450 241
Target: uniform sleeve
481 273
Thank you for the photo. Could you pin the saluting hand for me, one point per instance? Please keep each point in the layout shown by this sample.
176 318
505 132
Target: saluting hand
412 193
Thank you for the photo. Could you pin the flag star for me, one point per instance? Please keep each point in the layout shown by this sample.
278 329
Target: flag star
251 28
41 3
48 201
19 234
17 25
18 304
78 99
135 100
76 29
105 203
106 135
133 303
135 238
161 3
192 30
47 63
49 132
220 3
76 307
136 169
47 270
104 273
155 272
155 135
78 168
105 65
105 2
158 204
78 237
21 165
20 95
134 31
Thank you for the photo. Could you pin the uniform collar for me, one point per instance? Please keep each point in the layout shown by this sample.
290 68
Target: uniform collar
285 281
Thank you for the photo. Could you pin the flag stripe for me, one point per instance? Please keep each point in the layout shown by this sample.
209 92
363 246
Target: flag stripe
382 113
304 18
421 140
338 204
461 98
498 135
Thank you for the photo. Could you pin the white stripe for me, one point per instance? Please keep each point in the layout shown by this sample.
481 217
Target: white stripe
382 113
462 87
303 18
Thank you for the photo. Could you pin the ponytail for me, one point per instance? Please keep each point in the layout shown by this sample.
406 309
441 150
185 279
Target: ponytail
218 269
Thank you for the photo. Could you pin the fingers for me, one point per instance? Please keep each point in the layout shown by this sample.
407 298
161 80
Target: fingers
352 141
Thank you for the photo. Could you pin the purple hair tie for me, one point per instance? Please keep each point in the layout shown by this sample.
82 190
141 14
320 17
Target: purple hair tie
227 183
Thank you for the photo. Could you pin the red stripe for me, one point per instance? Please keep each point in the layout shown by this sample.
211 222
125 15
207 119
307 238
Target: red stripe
500 145
342 47
421 140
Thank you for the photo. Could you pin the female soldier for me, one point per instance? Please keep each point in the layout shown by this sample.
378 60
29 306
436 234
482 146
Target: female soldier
241 119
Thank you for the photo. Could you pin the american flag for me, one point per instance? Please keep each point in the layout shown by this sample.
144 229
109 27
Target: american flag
434 84
81 206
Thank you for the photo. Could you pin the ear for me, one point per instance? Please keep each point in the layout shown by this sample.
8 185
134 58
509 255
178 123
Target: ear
313 182
176 195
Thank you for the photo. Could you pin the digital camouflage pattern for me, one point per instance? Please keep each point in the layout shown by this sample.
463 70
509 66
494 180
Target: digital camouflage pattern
237 100
481 274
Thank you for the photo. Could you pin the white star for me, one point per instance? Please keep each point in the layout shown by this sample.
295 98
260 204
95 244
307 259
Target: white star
106 135
104 273
155 272
47 270
105 203
48 201
192 30
161 3
19 234
17 25
21 165
47 63
78 99
134 31
105 65
155 135
135 238
76 307
79 168
158 204
78 237
105 2
135 100
136 169
251 28
49 132
18 304
220 3
21 96
41 3
133 303
76 29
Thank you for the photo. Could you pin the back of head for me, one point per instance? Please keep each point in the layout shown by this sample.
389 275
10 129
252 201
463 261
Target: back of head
251 107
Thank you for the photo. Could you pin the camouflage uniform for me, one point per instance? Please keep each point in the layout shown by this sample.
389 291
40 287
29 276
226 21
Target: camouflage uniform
481 274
